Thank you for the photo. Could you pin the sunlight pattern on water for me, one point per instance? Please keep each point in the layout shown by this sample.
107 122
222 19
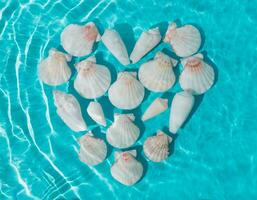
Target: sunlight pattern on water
214 156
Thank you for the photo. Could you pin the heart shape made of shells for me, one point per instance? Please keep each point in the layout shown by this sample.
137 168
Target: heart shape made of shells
127 92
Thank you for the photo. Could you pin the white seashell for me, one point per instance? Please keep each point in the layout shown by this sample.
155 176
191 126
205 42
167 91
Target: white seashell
93 80
123 133
185 40
79 40
68 109
95 111
157 75
156 148
54 70
93 150
126 92
126 169
115 45
197 75
181 106
158 106
146 42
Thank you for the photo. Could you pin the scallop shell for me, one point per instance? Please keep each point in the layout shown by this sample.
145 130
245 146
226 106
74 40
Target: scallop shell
68 109
126 169
79 40
93 150
157 75
181 107
185 40
95 111
158 106
115 45
197 75
93 80
146 42
156 148
54 70
126 92
123 133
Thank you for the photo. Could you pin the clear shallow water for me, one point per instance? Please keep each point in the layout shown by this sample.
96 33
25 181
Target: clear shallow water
214 156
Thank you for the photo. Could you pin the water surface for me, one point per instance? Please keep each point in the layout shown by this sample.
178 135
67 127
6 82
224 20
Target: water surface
214 156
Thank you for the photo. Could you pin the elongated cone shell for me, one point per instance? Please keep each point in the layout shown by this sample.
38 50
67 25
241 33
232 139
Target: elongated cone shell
157 75
68 109
54 70
123 133
156 148
93 150
158 106
181 106
126 92
146 42
115 45
185 40
197 76
95 111
79 40
126 169
93 80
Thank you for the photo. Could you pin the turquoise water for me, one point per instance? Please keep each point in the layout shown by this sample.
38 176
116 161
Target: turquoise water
214 156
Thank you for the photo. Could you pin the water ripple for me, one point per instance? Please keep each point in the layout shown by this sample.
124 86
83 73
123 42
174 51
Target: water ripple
85 18
20 180
31 131
105 180
7 4
213 158
18 59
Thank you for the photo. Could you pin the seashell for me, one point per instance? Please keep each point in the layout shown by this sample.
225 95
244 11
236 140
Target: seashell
115 45
157 75
158 106
68 109
123 133
93 150
197 75
185 40
95 111
54 70
126 169
79 40
181 106
126 92
146 42
93 80
156 148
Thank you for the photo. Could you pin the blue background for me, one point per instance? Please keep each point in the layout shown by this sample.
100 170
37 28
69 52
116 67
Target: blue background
215 154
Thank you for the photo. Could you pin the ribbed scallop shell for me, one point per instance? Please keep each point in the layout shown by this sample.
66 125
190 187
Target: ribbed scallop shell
126 92
68 109
185 40
93 80
126 169
146 42
115 45
79 40
93 150
123 133
197 75
181 107
156 148
54 70
158 106
157 75
95 111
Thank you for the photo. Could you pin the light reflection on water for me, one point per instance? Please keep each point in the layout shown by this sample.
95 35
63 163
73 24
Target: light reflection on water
214 156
